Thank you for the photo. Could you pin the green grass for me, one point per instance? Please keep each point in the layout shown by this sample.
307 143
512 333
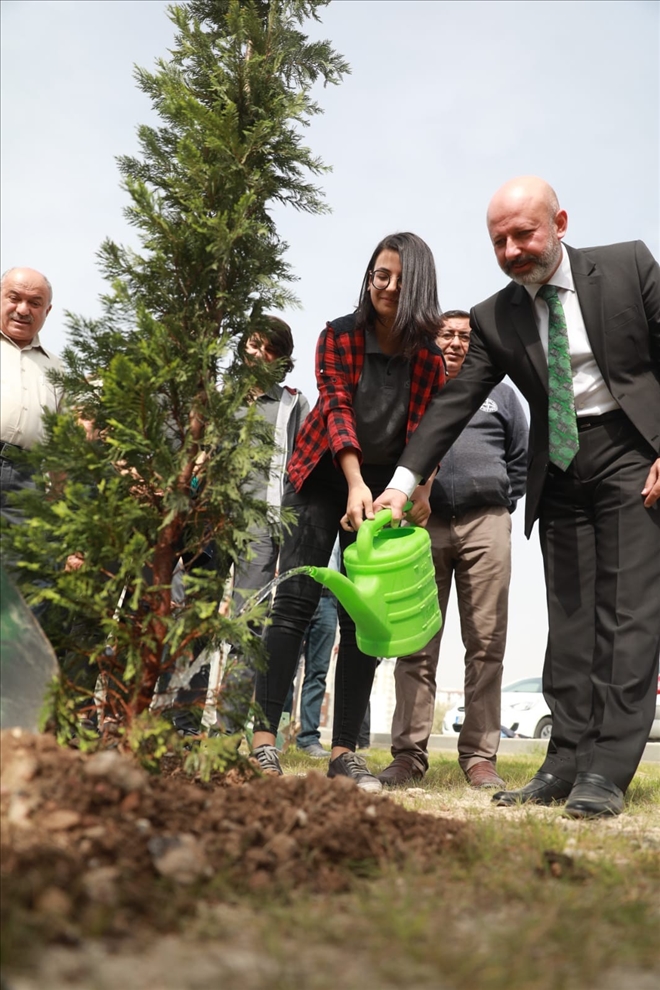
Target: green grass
528 900
535 901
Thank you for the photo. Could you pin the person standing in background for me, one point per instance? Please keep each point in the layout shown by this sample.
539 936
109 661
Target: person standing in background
284 410
26 299
476 489
317 651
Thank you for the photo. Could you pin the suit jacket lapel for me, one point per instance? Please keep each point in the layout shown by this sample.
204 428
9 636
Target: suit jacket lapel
589 288
524 323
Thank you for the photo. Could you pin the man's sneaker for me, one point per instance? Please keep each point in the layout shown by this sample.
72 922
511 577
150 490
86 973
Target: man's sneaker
315 750
267 760
186 726
354 766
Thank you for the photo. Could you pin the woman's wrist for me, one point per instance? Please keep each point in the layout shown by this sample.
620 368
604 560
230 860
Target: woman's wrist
350 465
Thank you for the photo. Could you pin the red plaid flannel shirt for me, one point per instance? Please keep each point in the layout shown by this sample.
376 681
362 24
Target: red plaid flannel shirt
331 423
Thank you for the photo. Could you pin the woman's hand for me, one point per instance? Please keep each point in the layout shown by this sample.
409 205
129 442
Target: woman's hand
360 506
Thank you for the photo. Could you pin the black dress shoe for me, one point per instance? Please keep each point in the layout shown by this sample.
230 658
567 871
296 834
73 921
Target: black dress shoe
543 788
594 796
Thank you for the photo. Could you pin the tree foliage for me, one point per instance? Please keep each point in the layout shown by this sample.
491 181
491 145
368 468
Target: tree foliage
150 463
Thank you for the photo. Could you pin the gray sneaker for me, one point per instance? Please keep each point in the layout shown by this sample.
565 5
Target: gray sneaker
354 766
315 750
268 760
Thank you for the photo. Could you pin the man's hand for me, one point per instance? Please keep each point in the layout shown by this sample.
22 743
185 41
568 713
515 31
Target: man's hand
74 561
421 509
651 489
392 499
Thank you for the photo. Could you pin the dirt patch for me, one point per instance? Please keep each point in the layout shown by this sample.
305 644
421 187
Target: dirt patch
93 844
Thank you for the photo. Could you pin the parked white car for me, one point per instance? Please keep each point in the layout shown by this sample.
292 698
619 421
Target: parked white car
655 728
524 711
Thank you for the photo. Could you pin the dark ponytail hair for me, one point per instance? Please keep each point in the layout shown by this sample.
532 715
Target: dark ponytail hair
418 315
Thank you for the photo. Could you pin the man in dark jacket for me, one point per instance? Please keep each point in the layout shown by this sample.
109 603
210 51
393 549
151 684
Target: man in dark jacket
578 331
474 493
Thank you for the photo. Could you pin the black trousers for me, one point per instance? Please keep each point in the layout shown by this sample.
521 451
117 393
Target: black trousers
319 506
601 551
13 479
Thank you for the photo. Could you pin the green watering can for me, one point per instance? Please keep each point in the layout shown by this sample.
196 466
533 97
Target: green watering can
390 592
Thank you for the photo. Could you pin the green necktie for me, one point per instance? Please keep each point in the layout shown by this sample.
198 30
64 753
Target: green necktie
562 422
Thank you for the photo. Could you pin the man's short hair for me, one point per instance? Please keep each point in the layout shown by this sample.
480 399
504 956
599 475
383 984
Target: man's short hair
16 267
453 314
279 340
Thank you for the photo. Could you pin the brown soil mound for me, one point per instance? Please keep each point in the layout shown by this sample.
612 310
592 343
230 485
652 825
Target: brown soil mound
94 844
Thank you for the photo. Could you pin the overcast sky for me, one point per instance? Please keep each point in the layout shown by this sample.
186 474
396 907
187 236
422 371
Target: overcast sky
446 101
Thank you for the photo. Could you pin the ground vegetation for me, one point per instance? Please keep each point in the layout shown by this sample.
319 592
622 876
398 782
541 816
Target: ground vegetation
115 877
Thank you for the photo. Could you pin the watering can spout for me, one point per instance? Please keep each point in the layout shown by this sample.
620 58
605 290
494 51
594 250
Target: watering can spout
362 613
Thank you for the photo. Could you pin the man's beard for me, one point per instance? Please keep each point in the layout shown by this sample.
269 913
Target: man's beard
545 265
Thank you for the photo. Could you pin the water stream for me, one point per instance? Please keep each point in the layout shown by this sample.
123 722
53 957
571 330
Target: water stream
259 596
181 678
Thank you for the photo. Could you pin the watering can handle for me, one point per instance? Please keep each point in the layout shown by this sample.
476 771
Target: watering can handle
370 529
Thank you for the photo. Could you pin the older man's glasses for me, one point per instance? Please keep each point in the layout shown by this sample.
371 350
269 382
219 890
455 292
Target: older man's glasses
446 336
381 278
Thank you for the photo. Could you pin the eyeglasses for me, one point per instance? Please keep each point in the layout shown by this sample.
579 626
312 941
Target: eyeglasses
381 278
446 336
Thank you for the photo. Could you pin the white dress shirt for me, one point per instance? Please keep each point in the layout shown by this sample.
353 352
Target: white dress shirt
592 396
25 391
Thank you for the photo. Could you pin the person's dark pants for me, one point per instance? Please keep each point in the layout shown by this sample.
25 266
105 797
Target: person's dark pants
13 479
601 551
319 506
364 735
317 647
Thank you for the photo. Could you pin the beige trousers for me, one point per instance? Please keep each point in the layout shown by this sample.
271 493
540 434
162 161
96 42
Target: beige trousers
476 551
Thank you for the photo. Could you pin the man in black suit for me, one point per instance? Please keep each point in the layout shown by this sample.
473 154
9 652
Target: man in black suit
597 502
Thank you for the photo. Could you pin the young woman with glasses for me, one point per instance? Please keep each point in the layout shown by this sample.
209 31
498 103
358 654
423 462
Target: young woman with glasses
376 371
